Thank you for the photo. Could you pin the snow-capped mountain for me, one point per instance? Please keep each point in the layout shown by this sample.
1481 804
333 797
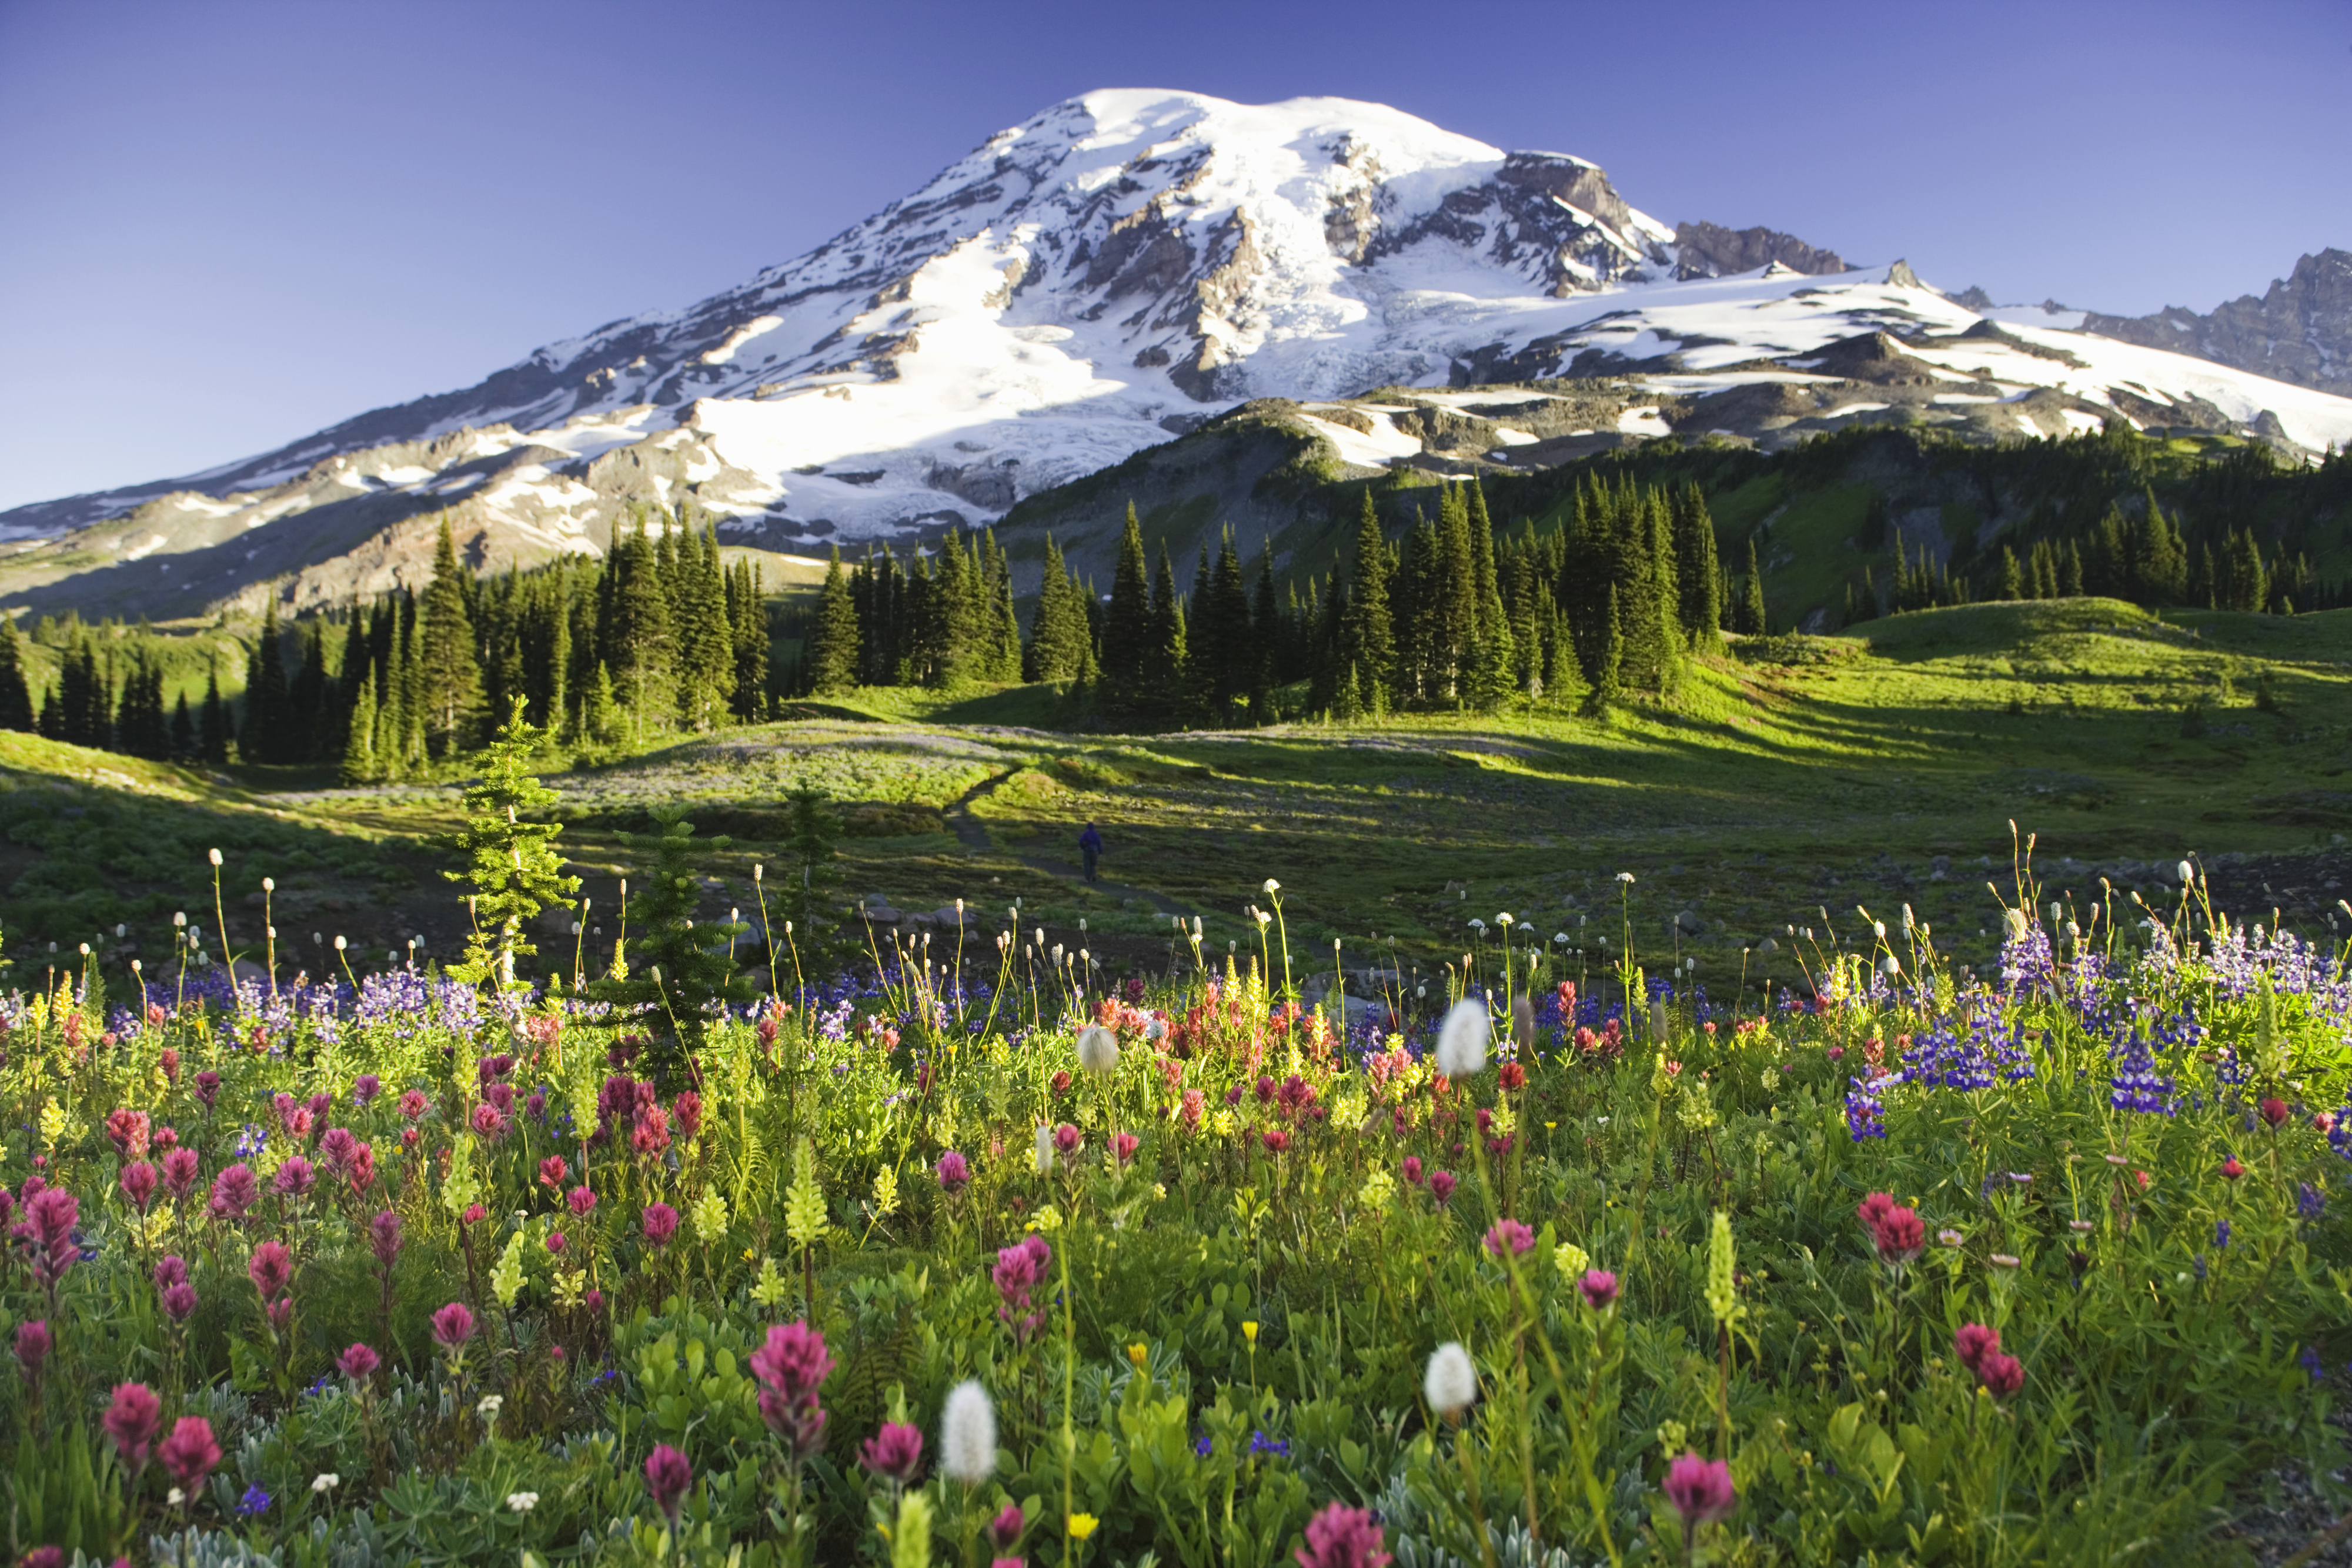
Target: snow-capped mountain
1090 283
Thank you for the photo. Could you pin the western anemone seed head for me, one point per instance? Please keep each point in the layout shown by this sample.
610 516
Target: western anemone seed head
1098 1050
215 856
968 1434
1044 1150
2188 874
1700 1489
1462 1041
1272 887
1451 1382
1890 966
2014 919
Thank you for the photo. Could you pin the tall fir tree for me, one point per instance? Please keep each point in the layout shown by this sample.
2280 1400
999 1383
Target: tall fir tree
1057 627
211 728
1126 632
1753 618
450 667
1700 574
15 694
264 734
831 651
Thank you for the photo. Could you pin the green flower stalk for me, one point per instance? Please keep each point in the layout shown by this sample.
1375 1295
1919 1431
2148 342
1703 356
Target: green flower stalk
1723 1302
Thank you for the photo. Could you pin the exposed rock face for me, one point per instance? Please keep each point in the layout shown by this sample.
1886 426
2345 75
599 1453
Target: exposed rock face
2300 331
1710 250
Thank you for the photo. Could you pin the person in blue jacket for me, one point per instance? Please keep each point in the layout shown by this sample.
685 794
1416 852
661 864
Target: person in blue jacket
1090 846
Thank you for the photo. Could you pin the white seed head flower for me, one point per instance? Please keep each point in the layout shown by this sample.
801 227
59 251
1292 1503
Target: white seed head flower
340 944
175 1497
215 856
1624 876
1890 966
2015 920
325 1483
1156 1029
1878 929
758 870
522 1502
1451 1384
1273 886
1098 1050
1045 1149
489 1407
2188 874
179 918
1476 924
1261 916
1504 919
1462 1039
269 885
968 1434
2057 912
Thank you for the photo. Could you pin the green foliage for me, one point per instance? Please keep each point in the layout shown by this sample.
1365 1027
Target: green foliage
673 966
511 867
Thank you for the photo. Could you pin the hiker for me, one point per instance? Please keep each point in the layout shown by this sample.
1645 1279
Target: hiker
1090 846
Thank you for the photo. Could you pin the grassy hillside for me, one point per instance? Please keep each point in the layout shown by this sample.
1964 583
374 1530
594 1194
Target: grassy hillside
1799 774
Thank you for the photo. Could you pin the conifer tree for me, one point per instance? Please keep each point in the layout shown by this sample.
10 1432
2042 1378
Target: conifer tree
706 670
263 735
747 615
1167 667
1752 616
2012 579
1057 628
1368 637
183 730
1267 637
211 729
1606 685
1126 632
16 696
511 864
1699 573
449 668
832 653
635 639
358 765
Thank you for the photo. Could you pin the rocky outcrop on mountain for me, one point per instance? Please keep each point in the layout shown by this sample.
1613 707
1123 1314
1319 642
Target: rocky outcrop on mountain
2300 331
1710 250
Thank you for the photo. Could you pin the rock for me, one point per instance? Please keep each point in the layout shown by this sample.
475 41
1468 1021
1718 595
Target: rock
1939 869
1689 922
1770 944
882 915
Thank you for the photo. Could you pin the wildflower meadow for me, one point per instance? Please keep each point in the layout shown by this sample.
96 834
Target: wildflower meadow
738 1243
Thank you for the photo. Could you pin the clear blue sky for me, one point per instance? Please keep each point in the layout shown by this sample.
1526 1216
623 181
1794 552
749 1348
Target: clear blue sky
223 225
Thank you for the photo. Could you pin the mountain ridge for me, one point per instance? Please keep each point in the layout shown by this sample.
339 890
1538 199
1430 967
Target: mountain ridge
1080 288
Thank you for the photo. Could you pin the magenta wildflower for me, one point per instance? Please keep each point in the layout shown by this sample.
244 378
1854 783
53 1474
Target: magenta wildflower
294 1178
1599 1289
384 1237
413 1104
190 1453
1441 1186
171 1270
336 1149
359 1363
234 1192
1067 1139
33 1346
895 1453
131 1420
667 1477
182 1168
2002 1374
1123 1146
552 1172
1973 1343
452 1325
661 1223
955 1172
1343 1537
1509 1233
582 1200
271 1269
179 1302
207 1088
1700 1489
489 1124
137 1181
1005 1530
1412 1170
365 1088
51 1214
